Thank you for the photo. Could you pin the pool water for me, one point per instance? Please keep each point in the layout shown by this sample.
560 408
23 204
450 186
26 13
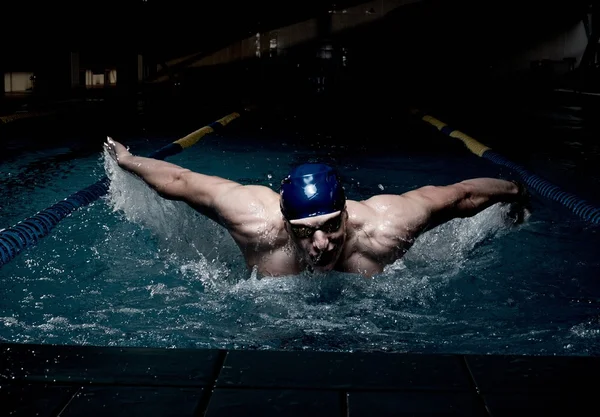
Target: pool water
132 269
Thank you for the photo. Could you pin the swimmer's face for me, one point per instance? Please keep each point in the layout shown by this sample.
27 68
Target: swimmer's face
319 239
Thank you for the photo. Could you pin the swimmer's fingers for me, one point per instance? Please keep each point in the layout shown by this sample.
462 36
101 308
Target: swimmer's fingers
110 147
524 197
518 212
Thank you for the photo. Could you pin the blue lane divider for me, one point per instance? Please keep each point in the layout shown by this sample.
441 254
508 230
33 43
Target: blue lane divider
574 203
577 205
29 231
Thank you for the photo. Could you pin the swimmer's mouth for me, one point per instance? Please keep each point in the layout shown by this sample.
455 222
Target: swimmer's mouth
322 259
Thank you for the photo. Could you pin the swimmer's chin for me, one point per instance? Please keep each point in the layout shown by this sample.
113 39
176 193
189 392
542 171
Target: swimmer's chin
322 268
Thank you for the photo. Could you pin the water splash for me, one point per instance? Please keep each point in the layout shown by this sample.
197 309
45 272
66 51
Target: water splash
181 231
160 274
335 311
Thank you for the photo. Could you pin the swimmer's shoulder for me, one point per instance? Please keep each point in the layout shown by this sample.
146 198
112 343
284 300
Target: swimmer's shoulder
358 213
256 192
368 207
377 209
248 202
269 202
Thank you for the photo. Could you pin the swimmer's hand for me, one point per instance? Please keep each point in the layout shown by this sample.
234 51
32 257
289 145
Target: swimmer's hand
520 209
116 150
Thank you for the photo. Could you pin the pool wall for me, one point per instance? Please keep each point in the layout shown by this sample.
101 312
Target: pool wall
50 380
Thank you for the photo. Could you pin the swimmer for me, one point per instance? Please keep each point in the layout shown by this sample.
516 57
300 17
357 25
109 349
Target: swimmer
309 224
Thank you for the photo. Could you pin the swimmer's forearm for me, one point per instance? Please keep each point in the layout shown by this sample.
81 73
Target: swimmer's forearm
480 193
169 180
176 183
147 167
465 199
158 174
153 171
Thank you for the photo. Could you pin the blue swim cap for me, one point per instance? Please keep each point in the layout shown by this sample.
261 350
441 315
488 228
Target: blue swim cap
311 190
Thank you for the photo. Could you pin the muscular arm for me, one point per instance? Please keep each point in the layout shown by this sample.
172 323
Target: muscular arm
387 225
227 202
430 206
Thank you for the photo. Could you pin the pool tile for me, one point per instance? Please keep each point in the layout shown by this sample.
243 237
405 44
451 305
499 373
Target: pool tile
276 403
554 404
415 403
343 370
134 401
109 365
41 400
520 374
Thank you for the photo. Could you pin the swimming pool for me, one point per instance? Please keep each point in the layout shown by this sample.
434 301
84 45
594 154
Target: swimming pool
132 269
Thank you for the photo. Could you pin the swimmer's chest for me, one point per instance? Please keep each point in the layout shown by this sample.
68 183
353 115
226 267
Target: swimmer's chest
276 262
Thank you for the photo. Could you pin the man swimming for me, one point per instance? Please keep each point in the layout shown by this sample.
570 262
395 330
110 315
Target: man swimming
310 225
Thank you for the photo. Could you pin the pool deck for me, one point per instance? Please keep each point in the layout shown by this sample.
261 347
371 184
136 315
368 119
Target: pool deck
52 380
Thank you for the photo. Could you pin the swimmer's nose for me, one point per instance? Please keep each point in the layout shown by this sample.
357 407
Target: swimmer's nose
320 241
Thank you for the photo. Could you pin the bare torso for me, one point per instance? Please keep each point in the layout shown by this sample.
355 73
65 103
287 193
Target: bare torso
369 246
378 231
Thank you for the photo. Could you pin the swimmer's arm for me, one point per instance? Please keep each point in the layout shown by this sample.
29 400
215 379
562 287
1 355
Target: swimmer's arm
172 181
430 206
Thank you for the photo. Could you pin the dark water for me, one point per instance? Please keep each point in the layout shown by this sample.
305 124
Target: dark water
132 269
